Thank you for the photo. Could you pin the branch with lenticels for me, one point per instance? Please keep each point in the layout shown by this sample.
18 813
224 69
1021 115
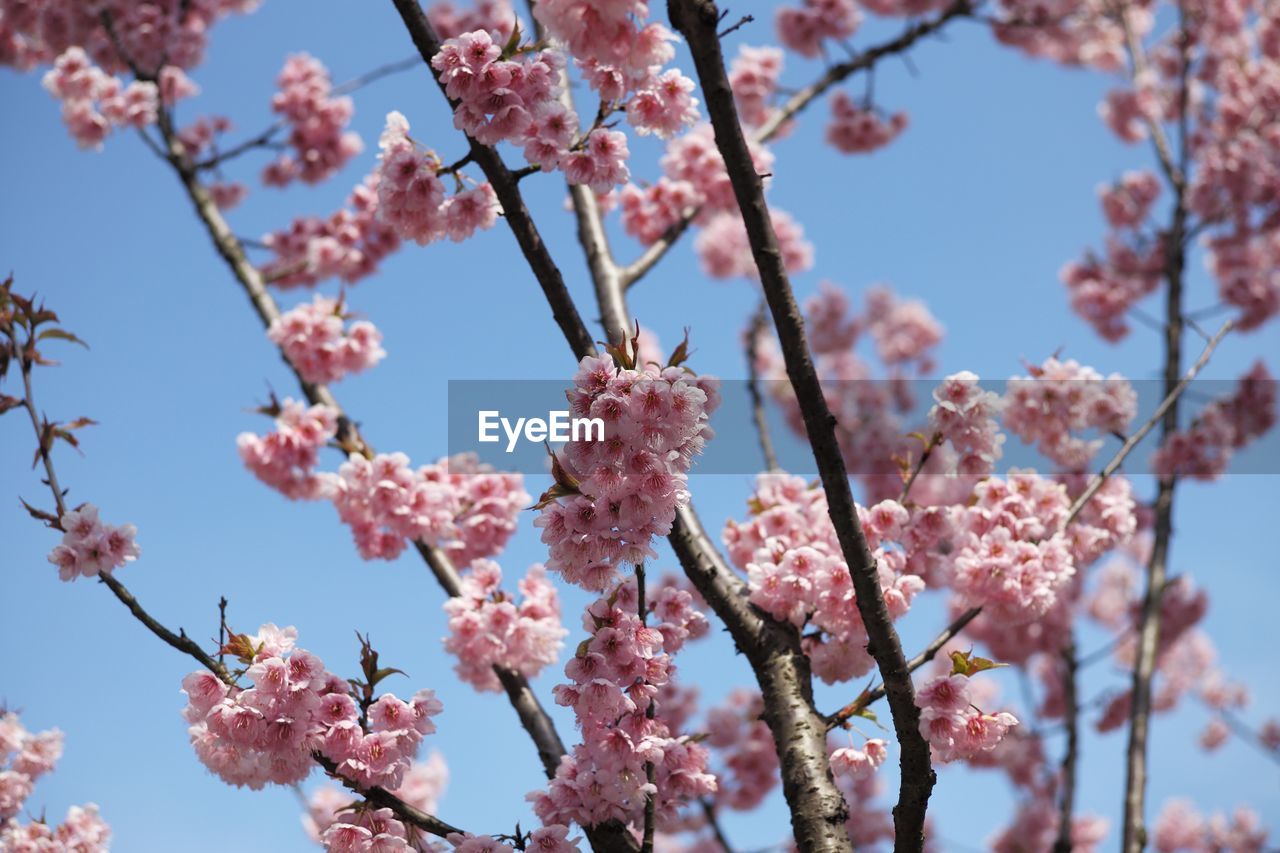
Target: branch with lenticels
697 21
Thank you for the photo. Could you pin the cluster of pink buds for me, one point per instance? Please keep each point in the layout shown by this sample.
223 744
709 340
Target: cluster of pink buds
796 570
613 496
315 340
412 198
94 102
286 459
317 124
616 676
1059 398
488 628
953 726
90 547
268 733
857 129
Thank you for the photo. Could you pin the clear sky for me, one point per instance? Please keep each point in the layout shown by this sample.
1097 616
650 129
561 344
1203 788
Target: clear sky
974 210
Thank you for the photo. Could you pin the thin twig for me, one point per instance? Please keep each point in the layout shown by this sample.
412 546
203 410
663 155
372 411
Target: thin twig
1138 435
713 821
758 325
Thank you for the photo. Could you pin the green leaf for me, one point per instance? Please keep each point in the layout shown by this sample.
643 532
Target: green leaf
967 664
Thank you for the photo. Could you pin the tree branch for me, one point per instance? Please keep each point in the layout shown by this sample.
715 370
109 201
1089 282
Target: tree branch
696 20
1066 803
758 324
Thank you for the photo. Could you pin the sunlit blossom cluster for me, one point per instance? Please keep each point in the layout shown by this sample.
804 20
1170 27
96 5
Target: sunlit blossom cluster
625 489
954 727
489 628
317 341
91 547
796 570
614 677
268 733
1059 398
317 122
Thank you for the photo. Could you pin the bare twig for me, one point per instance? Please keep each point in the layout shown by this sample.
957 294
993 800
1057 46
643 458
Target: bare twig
696 20
758 325
1138 435
713 821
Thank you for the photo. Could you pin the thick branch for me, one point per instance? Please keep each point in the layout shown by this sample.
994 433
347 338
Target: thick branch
696 20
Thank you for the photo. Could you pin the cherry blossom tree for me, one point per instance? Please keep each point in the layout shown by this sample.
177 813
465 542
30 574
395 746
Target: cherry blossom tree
812 579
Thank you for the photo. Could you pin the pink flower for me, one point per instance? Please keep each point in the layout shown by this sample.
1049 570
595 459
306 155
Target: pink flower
89 547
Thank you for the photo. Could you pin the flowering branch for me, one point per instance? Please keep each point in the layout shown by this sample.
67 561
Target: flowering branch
864 61
1134 829
505 186
696 19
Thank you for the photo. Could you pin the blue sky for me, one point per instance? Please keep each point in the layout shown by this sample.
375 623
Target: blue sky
974 210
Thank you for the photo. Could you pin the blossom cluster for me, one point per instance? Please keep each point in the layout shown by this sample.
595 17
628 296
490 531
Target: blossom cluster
424 783
796 570
1012 557
855 129
317 124
348 244
172 33
268 733
488 628
1180 828
1204 450
854 762
315 340
94 102
754 75
1104 288
411 196
742 740
458 504
1062 397
724 250
965 416
615 678
954 727
285 459
615 495
804 28
1035 827
91 547
25 756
